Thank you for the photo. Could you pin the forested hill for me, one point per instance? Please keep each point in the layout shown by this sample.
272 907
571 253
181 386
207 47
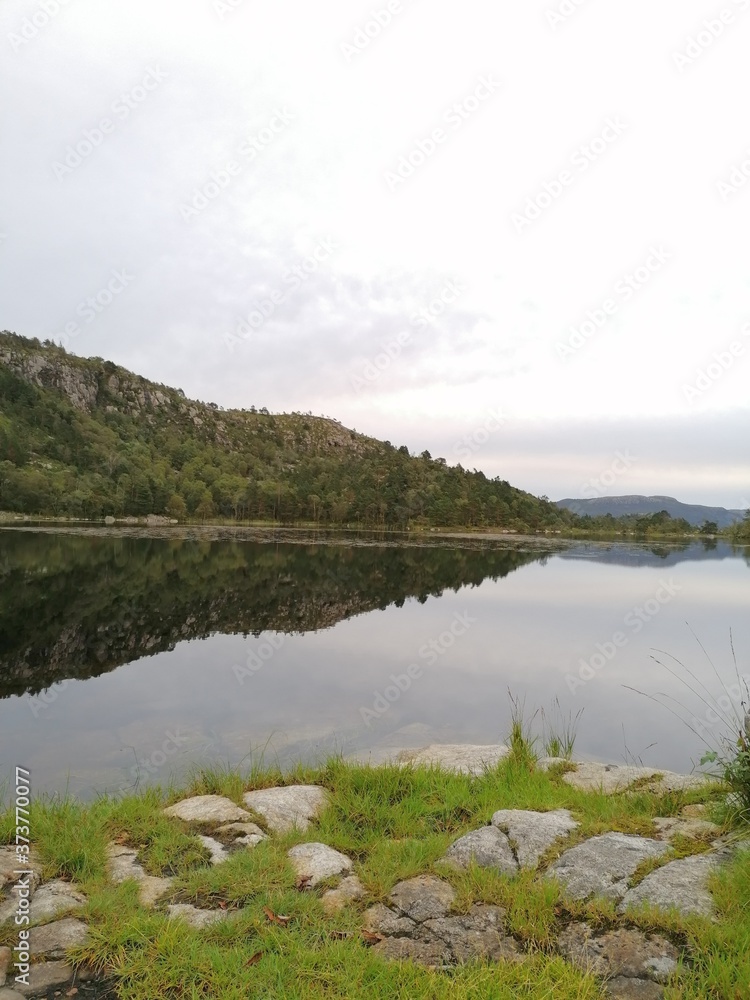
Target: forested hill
85 438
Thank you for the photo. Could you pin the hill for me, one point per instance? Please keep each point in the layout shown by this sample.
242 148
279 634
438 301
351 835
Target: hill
83 437
637 506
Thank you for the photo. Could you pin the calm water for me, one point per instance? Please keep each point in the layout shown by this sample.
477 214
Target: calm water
127 659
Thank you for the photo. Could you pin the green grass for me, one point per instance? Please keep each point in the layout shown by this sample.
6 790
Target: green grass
395 823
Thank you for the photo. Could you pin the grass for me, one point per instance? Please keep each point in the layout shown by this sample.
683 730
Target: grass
395 823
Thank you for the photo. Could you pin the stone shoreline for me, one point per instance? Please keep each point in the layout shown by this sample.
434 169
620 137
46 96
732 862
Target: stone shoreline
418 922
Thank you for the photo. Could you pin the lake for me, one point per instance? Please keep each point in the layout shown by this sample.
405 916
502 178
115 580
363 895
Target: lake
126 660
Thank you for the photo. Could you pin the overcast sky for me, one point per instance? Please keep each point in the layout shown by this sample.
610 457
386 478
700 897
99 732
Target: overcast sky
512 235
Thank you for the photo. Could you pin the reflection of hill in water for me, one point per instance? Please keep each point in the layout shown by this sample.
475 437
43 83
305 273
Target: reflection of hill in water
654 554
75 606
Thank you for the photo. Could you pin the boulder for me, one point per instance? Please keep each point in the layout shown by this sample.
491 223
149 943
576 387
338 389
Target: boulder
209 809
681 885
317 862
423 898
601 866
609 778
487 847
283 809
461 758
533 833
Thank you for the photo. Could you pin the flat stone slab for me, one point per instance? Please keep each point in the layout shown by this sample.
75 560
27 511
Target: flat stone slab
609 778
601 866
461 758
628 954
10 879
349 890
214 809
49 976
478 934
621 988
533 833
122 864
195 917
423 898
219 853
283 809
317 862
669 827
432 954
680 885
487 847
53 899
54 940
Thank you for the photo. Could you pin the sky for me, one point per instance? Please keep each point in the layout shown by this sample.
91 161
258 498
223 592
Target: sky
514 235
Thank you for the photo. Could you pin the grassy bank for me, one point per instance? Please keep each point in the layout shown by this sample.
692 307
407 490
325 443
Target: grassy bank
395 823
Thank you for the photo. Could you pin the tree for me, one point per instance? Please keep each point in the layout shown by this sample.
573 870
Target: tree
709 528
176 507
206 508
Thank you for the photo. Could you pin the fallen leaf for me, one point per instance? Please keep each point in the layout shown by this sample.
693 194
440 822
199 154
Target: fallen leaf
276 918
255 958
304 882
371 938
222 905
340 935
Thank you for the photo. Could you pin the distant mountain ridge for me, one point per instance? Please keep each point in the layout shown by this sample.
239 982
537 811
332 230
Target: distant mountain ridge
695 514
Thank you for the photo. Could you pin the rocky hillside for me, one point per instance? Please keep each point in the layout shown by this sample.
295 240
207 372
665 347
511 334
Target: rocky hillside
84 437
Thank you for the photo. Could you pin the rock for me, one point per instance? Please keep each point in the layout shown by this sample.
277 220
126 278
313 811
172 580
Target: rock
680 885
122 864
349 890
694 811
533 833
610 778
53 899
54 940
195 917
488 848
632 989
317 862
207 809
380 920
8 994
219 853
248 833
602 865
423 898
432 954
283 809
11 881
669 827
478 934
49 976
461 758
628 954
6 960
